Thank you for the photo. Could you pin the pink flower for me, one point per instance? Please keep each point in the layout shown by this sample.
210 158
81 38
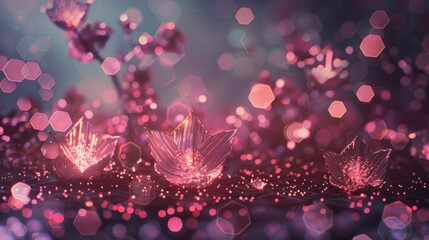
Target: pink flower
190 156
85 153
67 14
357 167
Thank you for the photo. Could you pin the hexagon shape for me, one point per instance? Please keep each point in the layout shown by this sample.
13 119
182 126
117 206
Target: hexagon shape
377 129
7 86
111 66
23 104
372 45
129 156
46 94
379 19
296 132
244 16
31 71
39 121
397 215
361 237
60 121
233 218
87 222
50 150
13 70
337 109
318 217
177 112
365 93
46 81
261 96
142 190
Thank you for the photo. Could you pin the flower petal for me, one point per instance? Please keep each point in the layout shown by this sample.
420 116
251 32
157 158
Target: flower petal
334 164
164 150
190 134
356 148
378 163
216 148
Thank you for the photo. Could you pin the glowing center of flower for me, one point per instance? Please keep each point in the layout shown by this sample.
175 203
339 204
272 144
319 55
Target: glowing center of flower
72 17
357 172
191 162
82 156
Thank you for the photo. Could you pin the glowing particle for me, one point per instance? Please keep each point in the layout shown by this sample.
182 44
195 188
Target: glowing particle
261 96
337 109
39 121
365 93
244 16
111 66
60 121
379 19
175 224
372 45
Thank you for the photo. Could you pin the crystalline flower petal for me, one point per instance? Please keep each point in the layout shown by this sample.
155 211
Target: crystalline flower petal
378 167
164 150
334 163
357 148
216 148
190 134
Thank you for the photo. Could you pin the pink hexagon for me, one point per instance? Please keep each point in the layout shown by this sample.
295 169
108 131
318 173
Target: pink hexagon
60 121
177 112
129 156
261 96
337 109
379 19
23 104
13 70
7 86
377 129
111 66
39 121
365 93
372 45
46 81
87 222
31 71
244 16
50 150
233 218
397 215
46 94
317 217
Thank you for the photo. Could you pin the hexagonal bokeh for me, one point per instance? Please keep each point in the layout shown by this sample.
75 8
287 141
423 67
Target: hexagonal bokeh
233 214
13 70
261 96
244 16
372 45
142 190
365 93
377 129
87 222
189 85
23 104
39 121
361 237
296 132
7 86
60 121
46 81
129 155
397 215
318 218
50 150
46 94
177 112
337 109
379 19
111 66
31 71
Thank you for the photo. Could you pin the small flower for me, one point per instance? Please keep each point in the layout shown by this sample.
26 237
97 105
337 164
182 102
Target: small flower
67 14
357 166
190 156
258 184
85 152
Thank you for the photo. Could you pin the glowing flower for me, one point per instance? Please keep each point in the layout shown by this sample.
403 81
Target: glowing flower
357 166
67 14
190 156
258 184
85 152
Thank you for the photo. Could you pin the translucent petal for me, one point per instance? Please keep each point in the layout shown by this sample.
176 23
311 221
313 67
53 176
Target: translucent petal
356 148
164 150
334 163
378 167
216 148
190 133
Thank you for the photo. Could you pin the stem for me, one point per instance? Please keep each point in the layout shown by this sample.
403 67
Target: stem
114 78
